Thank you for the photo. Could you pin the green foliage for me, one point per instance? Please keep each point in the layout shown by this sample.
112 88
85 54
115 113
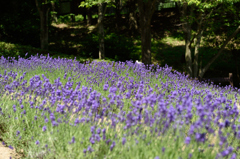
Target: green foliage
65 18
223 23
19 22
90 3
15 50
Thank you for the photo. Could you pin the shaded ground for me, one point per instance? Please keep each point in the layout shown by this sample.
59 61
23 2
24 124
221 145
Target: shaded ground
70 39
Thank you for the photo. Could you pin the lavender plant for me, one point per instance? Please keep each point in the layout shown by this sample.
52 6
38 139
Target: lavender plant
59 108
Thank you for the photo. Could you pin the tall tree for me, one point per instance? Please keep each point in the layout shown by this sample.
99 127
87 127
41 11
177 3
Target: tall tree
43 7
102 7
200 11
117 13
146 9
89 15
101 34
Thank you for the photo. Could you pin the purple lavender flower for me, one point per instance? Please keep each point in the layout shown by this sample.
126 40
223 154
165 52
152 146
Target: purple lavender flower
227 123
92 140
108 141
93 129
123 141
77 121
10 147
112 146
227 151
98 131
189 156
234 156
113 90
104 137
54 123
187 140
59 120
52 117
73 140
89 149
104 131
18 132
44 128
37 142
163 149
65 75
97 137
201 137
105 87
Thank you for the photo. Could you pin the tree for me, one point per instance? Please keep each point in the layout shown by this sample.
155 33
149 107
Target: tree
53 13
101 34
43 9
200 11
117 13
146 10
102 7
89 14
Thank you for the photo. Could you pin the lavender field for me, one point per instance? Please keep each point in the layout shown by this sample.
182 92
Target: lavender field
60 108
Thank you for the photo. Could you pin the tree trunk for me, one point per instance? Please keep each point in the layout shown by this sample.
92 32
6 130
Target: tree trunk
188 32
117 14
101 30
89 15
84 14
196 54
197 45
43 12
132 15
146 43
146 10
73 19
54 16
203 71
103 15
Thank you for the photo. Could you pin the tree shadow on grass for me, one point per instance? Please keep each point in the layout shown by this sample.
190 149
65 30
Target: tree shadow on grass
79 42
174 56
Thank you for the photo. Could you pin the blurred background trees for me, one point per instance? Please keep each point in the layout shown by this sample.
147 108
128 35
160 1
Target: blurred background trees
129 31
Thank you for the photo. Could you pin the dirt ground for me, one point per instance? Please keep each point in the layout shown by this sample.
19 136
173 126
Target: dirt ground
6 152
